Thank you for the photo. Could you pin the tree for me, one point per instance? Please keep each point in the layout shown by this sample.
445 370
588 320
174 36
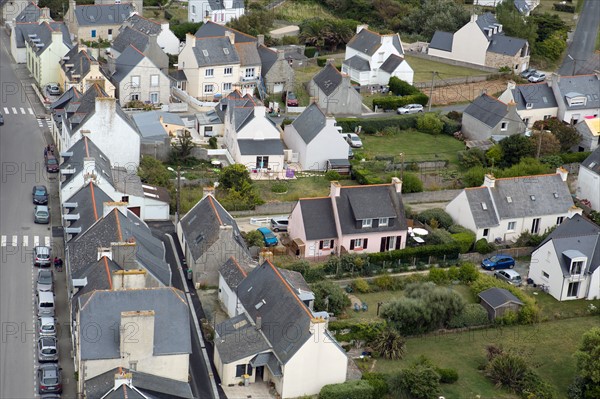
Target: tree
183 28
514 24
419 381
389 344
553 47
514 148
545 143
234 176
254 238
566 134
429 123
258 22
547 25
181 151
154 172
588 361
432 15
330 34
330 297
470 158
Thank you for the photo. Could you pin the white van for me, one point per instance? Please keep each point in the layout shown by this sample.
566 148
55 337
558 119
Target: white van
45 304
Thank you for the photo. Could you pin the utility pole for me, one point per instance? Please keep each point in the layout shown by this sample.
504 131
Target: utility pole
402 170
539 148
178 193
431 90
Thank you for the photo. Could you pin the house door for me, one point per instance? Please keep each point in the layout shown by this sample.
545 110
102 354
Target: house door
573 289
262 162
260 371
278 88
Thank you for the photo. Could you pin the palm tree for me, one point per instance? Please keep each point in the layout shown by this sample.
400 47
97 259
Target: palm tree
389 344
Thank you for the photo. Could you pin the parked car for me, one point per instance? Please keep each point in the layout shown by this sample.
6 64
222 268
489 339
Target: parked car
410 109
46 326
51 163
40 195
45 280
1 120
528 72
280 223
41 214
498 262
292 100
354 140
47 349
350 153
268 237
49 378
41 256
53 89
510 276
537 77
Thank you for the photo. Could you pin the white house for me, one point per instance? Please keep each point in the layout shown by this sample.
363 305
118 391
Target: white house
251 137
315 139
589 129
256 345
44 49
588 181
231 274
100 118
372 58
165 37
577 96
217 11
502 209
524 6
534 101
568 260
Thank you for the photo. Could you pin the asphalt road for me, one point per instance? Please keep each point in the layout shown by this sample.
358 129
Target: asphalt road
21 144
582 46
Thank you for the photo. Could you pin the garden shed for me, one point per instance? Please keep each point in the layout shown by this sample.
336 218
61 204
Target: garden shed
499 301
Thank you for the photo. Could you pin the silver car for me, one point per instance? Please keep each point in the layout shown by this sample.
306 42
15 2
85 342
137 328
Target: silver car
410 109
510 276
47 349
46 326
45 280
41 214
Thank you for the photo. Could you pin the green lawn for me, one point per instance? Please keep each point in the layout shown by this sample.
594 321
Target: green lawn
304 187
297 12
548 6
416 146
551 309
550 344
423 69
372 299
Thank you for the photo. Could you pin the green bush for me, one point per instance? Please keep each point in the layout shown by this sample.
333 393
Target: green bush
484 247
212 143
419 381
375 125
429 123
474 176
329 297
310 51
439 236
356 329
401 88
451 251
321 61
447 376
361 285
438 276
472 315
357 389
365 176
457 228
411 183
443 219
468 272
453 273
465 240
379 383
393 103
471 158
451 126
384 282
574 157
564 7
332 175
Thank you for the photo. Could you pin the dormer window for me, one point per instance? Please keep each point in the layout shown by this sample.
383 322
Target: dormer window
503 126
367 223
576 267
383 222
529 105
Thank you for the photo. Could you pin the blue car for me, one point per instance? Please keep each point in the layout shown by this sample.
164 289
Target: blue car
498 262
268 236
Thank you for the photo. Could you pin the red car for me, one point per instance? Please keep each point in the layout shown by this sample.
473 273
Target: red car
292 100
51 164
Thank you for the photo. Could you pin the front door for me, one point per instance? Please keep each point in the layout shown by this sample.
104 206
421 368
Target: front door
260 371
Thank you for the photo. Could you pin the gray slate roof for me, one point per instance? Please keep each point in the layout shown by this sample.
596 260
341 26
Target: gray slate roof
268 58
497 297
102 14
148 123
129 36
487 110
43 33
89 200
482 218
318 218
85 148
152 386
486 20
248 54
215 51
328 79
507 45
358 63
522 6
593 161
365 41
442 40
260 147
391 63
370 202
238 338
211 29
98 276
233 272
202 223
103 309
81 61
117 227
23 30
586 85
126 62
144 25
576 233
310 123
31 13
540 96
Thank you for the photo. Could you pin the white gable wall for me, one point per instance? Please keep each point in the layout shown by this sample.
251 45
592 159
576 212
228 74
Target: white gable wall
227 297
293 141
544 260
588 187
144 71
167 40
328 144
460 211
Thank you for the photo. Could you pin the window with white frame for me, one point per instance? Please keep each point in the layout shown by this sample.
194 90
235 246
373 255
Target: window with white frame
154 80
228 71
383 222
367 223
135 81
504 126
511 226
325 244
249 73
209 73
358 243
576 267
208 88
154 98
134 97
226 86
194 10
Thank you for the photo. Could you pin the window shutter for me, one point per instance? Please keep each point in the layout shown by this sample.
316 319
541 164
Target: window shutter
321 244
398 241
365 242
351 244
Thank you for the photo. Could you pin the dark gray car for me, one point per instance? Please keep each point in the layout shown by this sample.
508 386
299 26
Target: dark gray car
40 195
49 378
45 280
47 349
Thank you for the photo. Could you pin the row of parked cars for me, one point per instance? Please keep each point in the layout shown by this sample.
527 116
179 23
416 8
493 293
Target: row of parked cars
533 75
502 266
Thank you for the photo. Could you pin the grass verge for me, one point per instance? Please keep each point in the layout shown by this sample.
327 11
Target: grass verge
423 69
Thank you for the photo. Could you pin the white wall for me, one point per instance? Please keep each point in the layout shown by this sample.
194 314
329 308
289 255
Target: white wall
168 366
144 70
460 211
469 45
167 40
227 297
328 144
19 54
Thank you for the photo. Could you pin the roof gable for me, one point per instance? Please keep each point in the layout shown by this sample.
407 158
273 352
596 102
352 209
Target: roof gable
487 110
31 13
592 162
391 63
310 123
328 79
127 62
211 29
318 218
365 41
130 36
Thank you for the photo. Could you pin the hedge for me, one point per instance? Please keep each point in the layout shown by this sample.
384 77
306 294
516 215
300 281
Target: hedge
310 51
465 239
394 102
564 7
575 157
379 383
374 125
321 61
357 389
450 126
450 251
356 330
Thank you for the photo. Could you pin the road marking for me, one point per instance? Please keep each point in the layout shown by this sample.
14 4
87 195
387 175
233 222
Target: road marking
3 241
47 241
36 241
25 241
23 111
14 110
6 110
15 240
30 111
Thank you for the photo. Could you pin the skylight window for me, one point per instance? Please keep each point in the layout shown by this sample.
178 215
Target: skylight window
226 50
205 52
484 206
555 195
509 200
592 164
532 197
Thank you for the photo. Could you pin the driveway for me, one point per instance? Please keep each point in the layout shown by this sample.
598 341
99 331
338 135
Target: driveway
581 49
521 267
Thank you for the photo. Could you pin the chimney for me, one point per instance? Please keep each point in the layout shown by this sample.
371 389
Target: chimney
361 27
397 184
258 322
574 210
106 106
335 189
123 379
554 78
562 172
231 36
45 15
260 39
104 251
330 61
474 18
489 181
107 207
597 73
190 40
81 47
143 345
123 253
164 27
511 106
511 85
57 36
387 39
280 55
111 61
228 4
